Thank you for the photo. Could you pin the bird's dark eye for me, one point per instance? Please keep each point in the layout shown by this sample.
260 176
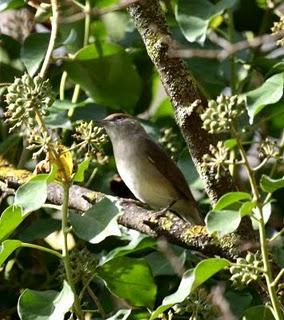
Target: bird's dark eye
118 118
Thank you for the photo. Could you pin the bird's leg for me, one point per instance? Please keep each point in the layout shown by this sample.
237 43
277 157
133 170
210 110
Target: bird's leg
162 212
138 203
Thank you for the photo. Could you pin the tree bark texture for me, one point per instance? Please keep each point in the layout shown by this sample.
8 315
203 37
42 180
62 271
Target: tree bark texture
181 90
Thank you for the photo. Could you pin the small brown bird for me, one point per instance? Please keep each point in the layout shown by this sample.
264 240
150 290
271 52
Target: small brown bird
147 170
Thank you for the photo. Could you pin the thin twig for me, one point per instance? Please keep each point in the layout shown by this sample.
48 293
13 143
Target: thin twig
96 13
227 50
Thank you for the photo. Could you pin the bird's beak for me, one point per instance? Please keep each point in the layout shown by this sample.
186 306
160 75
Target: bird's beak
101 123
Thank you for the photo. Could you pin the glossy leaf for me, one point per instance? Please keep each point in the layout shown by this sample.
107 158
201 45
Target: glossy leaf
268 93
190 281
138 243
9 220
268 184
160 264
266 212
34 50
239 301
80 173
39 229
258 312
99 222
130 279
246 208
230 198
32 194
122 314
102 74
7 248
11 4
45 305
194 16
222 222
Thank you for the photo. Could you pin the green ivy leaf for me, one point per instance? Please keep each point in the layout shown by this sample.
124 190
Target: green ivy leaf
9 220
32 194
230 198
160 265
266 211
247 208
194 17
80 173
45 305
8 247
268 93
122 314
222 222
258 312
130 279
11 4
101 72
39 229
34 50
270 185
99 222
136 244
190 281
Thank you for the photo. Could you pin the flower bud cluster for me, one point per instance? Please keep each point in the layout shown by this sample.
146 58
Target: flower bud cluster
91 140
247 269
220 113
170 142
278 27
26 96
269 149
216 161
198 305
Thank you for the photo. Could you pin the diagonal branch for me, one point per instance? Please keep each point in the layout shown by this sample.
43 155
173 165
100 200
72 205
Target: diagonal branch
135 216
151 24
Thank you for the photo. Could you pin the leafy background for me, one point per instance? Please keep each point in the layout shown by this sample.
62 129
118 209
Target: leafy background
130 273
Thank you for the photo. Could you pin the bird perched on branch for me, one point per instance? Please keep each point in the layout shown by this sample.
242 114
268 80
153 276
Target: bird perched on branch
147 170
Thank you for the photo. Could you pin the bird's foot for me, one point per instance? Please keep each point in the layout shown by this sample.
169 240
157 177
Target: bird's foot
137 203
162 212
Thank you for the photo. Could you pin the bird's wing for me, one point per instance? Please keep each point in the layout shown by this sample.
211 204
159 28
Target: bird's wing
169 169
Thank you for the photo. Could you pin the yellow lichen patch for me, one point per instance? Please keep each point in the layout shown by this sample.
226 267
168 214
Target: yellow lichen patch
196 231
93 196
14 175
166 223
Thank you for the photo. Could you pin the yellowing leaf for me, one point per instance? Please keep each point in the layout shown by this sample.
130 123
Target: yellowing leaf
64 163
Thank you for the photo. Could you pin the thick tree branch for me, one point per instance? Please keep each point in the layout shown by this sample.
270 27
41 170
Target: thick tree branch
171 227
151 24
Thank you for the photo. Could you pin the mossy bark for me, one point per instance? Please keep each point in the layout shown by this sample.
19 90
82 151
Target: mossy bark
181 89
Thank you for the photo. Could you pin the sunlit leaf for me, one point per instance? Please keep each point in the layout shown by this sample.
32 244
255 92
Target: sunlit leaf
258 312
80 173
223 221
190 281
102 74
268 184
34 50
268 93
45 305
9 220
7 248
130 279
99 222
230 198
32 195
266 212
194 16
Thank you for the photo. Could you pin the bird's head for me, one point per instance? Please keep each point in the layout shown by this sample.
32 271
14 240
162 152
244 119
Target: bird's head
118 125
